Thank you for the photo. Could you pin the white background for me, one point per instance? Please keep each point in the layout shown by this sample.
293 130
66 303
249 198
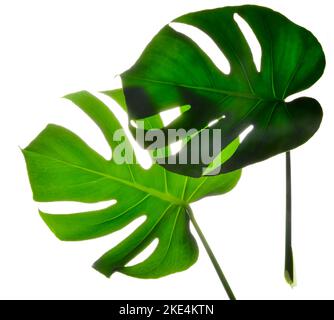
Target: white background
50 48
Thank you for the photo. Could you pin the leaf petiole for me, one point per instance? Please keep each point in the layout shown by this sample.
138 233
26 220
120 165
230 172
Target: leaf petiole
289 268
211 255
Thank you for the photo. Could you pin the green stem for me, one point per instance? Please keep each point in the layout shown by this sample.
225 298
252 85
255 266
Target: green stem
289 269
211 255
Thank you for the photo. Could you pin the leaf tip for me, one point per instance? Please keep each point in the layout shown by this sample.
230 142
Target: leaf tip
101 269
47 218
70 96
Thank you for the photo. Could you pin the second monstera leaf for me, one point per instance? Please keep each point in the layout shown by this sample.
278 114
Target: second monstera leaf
174 71
62 167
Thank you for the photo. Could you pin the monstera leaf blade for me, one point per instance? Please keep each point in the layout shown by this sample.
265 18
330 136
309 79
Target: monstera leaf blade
62 167
174 71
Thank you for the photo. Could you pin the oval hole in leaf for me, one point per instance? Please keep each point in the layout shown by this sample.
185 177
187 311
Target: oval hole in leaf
205 43
161 119
245 133
115 238
68 115
215 121
145 254
142 155
170 115
252 40
66 207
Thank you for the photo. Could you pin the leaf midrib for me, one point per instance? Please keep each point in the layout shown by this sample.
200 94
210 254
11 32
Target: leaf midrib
213 90
163 196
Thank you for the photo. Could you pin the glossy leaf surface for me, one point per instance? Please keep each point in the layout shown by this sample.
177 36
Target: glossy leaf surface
174 71
62 167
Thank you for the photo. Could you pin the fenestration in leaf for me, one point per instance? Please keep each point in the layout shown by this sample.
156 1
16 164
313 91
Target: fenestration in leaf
62 167
174 71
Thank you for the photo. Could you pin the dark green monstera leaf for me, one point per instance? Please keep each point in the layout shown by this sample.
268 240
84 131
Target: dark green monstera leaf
62 167
174 71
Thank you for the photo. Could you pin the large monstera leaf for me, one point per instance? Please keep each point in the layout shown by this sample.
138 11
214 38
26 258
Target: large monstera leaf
174 71
62 167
